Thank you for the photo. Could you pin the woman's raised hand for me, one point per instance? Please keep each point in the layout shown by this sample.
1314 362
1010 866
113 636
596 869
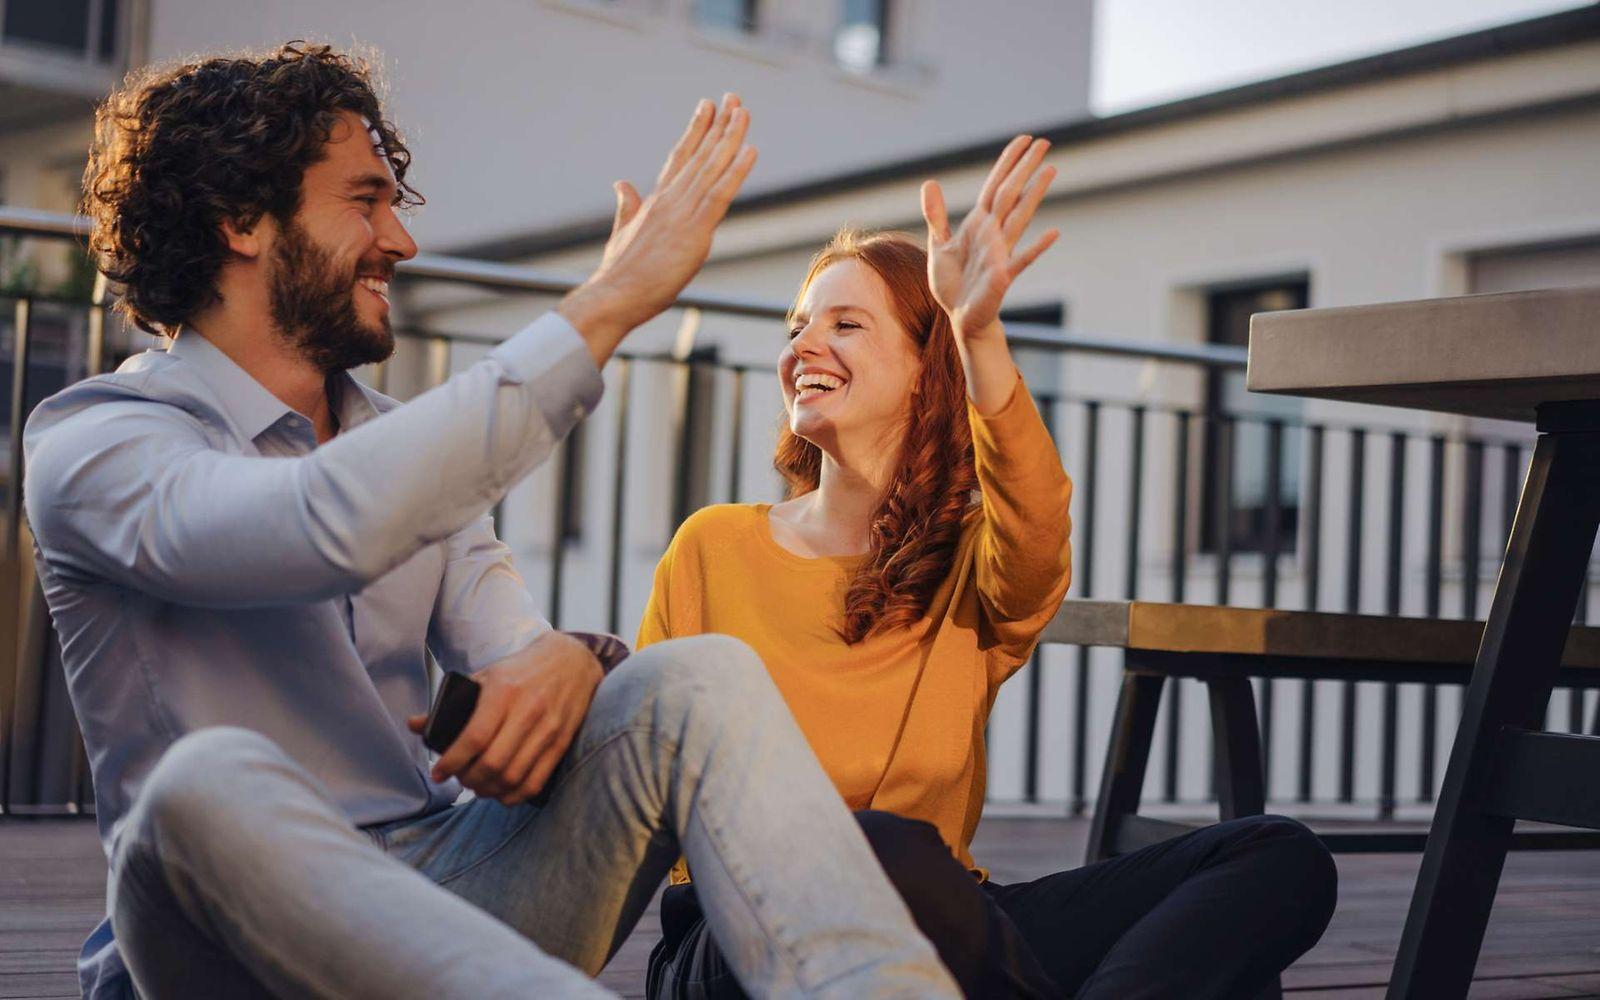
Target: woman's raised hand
971 269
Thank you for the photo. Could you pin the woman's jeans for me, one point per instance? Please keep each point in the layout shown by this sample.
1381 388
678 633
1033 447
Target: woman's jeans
1215 913
236 875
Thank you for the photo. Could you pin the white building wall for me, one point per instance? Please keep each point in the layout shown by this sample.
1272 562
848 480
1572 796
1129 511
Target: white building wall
522 112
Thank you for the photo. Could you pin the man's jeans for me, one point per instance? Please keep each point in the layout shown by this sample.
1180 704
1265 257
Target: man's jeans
236 875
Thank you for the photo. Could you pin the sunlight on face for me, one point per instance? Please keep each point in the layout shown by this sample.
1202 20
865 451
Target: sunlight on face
849 368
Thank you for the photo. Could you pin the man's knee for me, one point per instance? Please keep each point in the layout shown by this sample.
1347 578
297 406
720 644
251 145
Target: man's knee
704 676
200 775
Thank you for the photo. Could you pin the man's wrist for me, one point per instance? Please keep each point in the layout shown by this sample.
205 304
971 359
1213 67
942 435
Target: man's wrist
597 313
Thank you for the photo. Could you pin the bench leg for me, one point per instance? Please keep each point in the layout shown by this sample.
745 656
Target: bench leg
1241 790
1122 779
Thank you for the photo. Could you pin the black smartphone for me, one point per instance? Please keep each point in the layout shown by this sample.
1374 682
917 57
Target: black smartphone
452 707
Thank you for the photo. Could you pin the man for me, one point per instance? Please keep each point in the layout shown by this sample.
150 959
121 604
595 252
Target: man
247 555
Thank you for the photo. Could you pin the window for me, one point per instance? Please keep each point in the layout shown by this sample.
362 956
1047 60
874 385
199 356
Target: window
82 28
726 15
860 42
1239 502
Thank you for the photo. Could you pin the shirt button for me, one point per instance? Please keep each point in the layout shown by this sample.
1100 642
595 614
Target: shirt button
577 412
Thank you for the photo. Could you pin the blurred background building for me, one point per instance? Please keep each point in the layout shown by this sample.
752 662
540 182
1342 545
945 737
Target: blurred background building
1463 164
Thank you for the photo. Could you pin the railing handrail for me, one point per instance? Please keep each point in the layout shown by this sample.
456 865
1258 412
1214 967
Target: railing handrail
514 278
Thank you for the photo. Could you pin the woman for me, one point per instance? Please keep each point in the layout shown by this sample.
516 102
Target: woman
921 551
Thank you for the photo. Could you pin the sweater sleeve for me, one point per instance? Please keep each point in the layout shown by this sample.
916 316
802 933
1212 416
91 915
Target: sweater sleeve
656 626
1022 552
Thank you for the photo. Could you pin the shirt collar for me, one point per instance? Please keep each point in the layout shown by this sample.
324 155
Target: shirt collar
242 399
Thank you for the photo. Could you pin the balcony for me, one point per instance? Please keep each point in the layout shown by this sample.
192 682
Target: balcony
1182 495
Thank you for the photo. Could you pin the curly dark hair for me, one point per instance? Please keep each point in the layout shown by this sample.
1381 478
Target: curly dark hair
180 148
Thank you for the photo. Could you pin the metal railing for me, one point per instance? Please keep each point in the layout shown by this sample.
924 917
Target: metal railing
587 527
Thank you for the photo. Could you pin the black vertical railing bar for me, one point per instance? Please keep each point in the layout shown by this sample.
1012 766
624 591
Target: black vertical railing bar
1471 527
1180 572
1225 444
1312 567
736 435
566 485
1269 582
1226 438
1388 764
20 347
1135 499
19 384
618 496
1086 526
1432 600
1352 605
1035 691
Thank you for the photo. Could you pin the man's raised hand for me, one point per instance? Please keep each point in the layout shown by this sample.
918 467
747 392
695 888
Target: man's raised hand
659 242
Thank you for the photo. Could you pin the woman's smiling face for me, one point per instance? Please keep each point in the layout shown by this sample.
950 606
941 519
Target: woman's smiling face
849 368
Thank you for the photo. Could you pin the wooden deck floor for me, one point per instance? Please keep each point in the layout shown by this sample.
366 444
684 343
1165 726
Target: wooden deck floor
1544 940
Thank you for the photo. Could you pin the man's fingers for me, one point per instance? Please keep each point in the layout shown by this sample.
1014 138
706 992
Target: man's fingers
417 723
1017 222
1002 167
491 769
533 744
694 158
723 152
699 123
1020 262
933 211
628 202
727 187
475 736
1005 198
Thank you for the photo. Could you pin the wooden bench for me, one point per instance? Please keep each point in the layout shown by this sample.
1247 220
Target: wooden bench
1225 647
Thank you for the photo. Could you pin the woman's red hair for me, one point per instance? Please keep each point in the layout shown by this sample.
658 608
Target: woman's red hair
917 523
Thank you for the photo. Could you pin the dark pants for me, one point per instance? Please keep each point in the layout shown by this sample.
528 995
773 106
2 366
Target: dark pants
1215 913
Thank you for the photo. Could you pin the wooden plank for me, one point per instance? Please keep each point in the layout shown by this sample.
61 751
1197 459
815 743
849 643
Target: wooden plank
1541 939
1196 628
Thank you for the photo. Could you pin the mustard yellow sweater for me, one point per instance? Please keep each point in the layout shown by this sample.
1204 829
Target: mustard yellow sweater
896 720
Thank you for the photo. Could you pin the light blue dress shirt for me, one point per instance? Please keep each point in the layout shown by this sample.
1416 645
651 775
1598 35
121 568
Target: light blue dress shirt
206 563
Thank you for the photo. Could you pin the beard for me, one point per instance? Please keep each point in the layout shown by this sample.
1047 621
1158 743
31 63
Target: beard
313 307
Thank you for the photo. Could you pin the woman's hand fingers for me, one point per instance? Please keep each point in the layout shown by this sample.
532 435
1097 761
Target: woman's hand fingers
933 211
1001 169
1011 188
1017 222
1020 262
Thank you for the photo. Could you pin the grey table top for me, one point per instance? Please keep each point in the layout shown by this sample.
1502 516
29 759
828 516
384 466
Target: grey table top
1481 355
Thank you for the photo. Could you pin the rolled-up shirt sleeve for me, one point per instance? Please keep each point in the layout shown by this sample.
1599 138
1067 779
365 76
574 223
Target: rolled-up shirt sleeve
133 492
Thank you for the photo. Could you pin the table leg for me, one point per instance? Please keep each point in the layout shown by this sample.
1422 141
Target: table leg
1527 629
